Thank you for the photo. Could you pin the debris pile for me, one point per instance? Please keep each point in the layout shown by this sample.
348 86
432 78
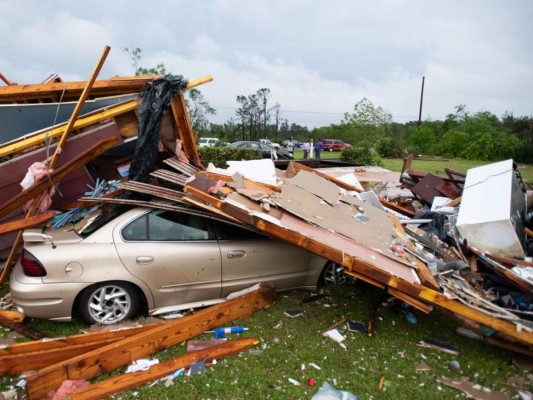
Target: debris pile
461 242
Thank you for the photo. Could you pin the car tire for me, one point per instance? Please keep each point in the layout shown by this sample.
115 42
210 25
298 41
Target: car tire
109 303
333 275
330 149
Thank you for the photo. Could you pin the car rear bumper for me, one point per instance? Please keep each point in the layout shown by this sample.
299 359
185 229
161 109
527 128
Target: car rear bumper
35 299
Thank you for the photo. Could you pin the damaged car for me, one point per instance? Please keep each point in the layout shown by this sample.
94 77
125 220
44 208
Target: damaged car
125 262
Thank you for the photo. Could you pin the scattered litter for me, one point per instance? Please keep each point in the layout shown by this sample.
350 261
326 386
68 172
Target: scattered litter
328 392
220 333
69 387
294 382
432 344
293 313
142 364
356 326
473 390
381 383
311 382
178 373
335 335
454 365
197 368
422 367
314 366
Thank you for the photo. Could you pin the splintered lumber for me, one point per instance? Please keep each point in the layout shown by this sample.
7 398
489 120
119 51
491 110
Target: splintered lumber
181 116
25 223
124 382
38 354
116 112
123 352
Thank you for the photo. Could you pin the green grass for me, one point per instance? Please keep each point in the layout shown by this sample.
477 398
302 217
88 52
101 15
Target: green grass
392 352
431 166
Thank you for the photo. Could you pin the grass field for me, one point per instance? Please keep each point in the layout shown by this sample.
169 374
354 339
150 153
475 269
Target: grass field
432 166
289 345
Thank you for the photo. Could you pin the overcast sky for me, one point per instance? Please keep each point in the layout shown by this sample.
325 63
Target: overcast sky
318 58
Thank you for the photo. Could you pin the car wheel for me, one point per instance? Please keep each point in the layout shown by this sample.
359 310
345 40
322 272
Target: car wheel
330 149
109 303
333 274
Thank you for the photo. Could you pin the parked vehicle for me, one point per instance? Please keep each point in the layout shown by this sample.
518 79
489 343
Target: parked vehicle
273 144
207 142
334 145
155 260
266 149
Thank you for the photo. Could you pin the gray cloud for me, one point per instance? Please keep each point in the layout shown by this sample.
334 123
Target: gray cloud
317 57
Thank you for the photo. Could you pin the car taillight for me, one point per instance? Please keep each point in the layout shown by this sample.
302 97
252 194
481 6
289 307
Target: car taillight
30 265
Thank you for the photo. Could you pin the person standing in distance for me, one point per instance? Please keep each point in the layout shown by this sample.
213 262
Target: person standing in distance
318 148
290 146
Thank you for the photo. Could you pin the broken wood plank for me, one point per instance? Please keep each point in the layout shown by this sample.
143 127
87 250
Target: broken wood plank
17 363
181 117
123 352
26 348
11 316
410 300
124 382
25 223
115 113
153 190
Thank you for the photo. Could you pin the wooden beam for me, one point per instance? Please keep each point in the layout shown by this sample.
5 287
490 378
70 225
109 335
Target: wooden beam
123 352
79 105
115 112
27 348
124 382
101 88
524 335
6 81
25 223
183 123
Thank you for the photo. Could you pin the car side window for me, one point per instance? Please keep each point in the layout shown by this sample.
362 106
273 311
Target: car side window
233 232
161 225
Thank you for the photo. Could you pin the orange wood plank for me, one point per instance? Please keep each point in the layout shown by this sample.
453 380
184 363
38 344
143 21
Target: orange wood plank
123 382
25 223
123 352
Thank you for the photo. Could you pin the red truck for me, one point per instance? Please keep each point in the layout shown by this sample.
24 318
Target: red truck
334 144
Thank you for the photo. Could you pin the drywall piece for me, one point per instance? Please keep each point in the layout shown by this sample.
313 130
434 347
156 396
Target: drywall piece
316 185
350 248
370 198
493 206
376 230
351 180
262 171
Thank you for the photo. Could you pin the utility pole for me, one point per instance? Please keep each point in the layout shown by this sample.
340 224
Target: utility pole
421 100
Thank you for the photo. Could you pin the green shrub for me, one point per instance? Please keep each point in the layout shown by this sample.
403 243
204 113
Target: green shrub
219 155
361 154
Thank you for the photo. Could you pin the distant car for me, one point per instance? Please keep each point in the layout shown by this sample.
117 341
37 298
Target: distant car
156 260
273 144
334 145
207 142
266 149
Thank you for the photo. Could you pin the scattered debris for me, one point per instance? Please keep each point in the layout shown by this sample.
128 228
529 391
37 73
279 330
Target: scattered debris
472 390
432 344
293 313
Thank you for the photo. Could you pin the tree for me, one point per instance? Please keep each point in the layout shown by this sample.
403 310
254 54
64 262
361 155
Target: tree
368 123
254 114
135 55
421 140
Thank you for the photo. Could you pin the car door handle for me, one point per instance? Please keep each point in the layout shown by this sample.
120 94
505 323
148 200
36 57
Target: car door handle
236 254
144 260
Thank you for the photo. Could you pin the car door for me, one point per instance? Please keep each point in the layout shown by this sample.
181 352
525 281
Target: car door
176 254
248 257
